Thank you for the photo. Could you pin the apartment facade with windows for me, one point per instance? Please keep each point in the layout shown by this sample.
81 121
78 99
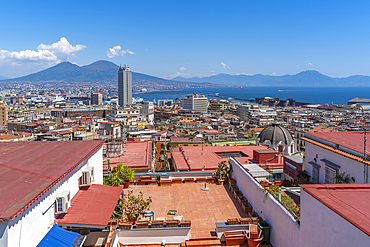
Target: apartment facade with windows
329 154
243 111
96 98
3 115
36 192
196 102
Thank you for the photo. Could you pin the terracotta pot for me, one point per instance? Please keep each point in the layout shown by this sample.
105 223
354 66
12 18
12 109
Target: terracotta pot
234 237
125 225
133 221
220 181
126 184
231 181
254 242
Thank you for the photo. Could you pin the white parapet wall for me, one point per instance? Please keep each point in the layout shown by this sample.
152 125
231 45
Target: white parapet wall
285 230
321 226
154 235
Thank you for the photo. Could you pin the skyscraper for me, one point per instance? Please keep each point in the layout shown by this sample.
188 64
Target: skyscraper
124 86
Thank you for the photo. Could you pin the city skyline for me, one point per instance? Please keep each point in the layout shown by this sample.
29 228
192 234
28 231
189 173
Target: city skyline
170 39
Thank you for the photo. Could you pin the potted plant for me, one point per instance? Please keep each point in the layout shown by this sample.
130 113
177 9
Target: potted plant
128 176
158 177
222 172
132 206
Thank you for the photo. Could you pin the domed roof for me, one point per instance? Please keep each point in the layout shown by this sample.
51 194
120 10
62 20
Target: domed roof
275 133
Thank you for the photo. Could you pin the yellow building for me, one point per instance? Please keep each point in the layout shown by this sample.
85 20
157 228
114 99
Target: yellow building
187 141
141 124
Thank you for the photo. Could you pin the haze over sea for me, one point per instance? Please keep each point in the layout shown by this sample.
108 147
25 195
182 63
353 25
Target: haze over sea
318 95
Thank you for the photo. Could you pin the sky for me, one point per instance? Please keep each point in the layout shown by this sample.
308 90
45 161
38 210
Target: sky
188 38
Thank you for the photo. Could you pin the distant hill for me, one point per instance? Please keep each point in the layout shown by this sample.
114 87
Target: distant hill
3 77
105 72
304 78
97 72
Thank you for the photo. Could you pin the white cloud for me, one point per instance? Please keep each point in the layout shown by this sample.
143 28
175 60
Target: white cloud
46 55
273 74
212 71
224 66
297 67
182 68
309 64
117 51
62 48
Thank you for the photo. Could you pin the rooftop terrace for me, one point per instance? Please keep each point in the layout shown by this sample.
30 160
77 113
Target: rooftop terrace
203 208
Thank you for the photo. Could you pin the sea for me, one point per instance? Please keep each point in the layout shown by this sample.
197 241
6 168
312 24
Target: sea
313 95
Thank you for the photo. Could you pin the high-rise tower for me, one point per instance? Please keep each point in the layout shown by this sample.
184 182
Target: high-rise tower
124 86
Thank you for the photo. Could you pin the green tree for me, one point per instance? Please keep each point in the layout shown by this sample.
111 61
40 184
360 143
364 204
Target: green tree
131 206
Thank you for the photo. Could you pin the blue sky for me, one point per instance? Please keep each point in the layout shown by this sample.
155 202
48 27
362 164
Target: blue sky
188 38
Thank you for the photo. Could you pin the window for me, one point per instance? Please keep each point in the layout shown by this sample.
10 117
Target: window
281 149
330 175
315 175
87 177
59 204
62 202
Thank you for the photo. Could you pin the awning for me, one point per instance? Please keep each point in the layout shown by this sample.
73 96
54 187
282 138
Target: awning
59 237
331 164
314 164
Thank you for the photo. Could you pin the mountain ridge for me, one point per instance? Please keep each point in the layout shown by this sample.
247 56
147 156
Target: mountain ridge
304 78
102 71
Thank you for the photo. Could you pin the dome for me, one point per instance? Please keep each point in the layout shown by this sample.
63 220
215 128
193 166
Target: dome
275 134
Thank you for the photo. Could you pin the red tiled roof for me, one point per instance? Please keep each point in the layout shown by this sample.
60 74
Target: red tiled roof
64 132
191 123
348 155
321 128
350 201
213 131
180 161
352 139
22 133
136 156
93 206
7 136
257 129
197 157
29 169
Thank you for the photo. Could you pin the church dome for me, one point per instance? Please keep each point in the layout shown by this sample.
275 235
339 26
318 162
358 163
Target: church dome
275 134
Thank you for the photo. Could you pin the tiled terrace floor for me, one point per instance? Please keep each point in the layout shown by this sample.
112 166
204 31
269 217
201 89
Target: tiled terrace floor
203 208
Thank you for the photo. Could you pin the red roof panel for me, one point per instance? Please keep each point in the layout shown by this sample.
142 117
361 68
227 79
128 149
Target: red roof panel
198 158
350 201
136 155
352 139
29 169
93 206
